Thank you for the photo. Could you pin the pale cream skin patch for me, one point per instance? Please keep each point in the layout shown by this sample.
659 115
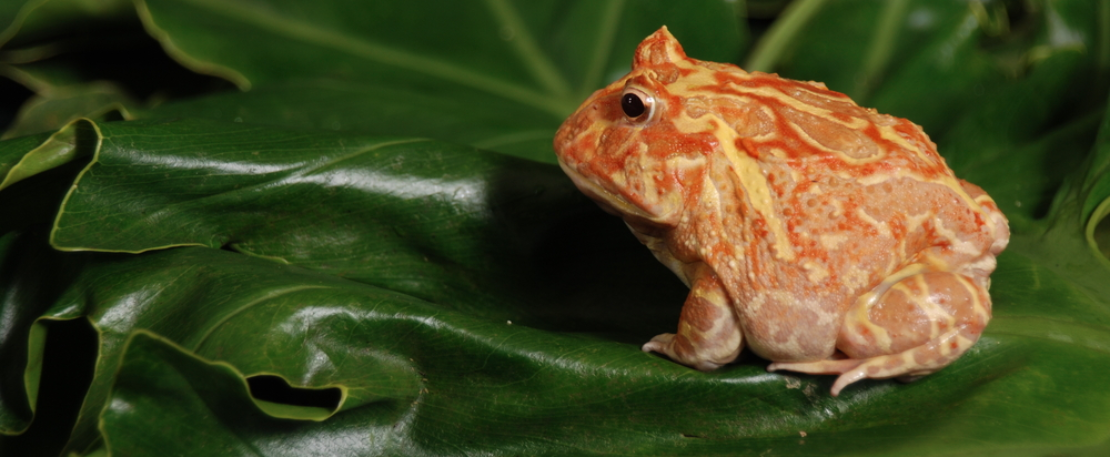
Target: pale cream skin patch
826 237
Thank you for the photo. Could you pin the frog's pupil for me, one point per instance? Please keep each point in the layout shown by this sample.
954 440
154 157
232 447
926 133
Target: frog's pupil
632 105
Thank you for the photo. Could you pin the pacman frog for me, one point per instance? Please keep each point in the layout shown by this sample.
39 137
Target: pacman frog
826 237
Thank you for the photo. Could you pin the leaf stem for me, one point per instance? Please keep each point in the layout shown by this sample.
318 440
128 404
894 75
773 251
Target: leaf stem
771 47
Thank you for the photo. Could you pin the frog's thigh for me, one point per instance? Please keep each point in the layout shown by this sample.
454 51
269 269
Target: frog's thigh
708 332
910 326
1000 229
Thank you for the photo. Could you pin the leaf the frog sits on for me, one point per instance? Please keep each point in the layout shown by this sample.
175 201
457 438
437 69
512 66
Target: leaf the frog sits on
828 238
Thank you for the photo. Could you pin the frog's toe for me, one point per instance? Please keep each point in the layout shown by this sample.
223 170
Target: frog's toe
818 367
850 370
668 344
659 344
902 366
907 366
708 331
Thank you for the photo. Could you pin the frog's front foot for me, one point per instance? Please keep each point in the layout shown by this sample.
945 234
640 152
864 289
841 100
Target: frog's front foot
708 331
683 353
912 324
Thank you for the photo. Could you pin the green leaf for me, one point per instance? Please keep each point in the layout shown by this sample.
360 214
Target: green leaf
31 155
408 214
160 380
12 15
18 388
500 74
28 275
30 20
13 152
52 109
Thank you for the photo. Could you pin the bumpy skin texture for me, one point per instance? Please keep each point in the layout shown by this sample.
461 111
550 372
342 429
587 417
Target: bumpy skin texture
826 237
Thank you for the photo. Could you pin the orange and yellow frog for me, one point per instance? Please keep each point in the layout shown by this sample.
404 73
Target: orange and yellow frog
825 237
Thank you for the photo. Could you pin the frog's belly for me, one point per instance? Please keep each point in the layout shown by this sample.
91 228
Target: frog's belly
781 328
786 313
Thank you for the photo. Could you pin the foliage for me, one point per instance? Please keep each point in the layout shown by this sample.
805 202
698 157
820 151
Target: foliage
361 245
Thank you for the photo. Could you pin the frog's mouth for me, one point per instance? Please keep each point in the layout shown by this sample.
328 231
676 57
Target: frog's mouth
612 203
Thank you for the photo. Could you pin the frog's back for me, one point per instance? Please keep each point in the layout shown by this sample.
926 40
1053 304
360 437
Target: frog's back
782 119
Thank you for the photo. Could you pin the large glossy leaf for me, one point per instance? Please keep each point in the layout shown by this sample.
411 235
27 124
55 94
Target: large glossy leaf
499 74
443 222
476 352
466 302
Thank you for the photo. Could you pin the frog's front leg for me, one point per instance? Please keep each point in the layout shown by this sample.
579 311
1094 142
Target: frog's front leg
912 324
708 330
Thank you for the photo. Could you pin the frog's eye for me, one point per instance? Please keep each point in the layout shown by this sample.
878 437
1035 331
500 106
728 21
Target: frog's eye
637 105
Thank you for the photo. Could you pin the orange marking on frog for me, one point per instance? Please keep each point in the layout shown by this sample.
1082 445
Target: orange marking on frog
804 224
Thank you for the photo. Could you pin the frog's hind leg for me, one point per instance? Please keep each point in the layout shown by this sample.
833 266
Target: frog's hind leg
708 330
911 325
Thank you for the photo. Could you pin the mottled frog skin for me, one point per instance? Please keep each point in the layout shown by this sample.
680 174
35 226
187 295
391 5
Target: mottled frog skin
826 237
